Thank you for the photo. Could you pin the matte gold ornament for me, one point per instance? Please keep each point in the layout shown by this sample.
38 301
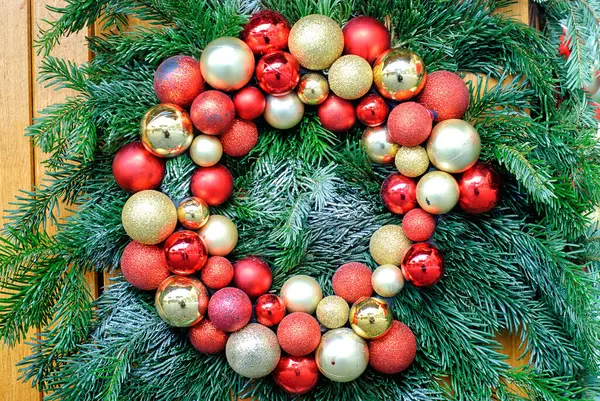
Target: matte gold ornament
388 245
437 192
227 63
206 150
387 280
192 213
412 161
399 74
453 146
149 217
332 312
253 351
350 77
220 235
370 317
181 301
316 41
166 130
313 89
301 294
342 355
284 112
375 143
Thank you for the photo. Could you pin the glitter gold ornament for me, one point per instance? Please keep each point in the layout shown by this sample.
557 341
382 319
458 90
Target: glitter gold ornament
149 217
437 192
333 311
412 161
375 143
399 74
370 317
220 235
166 130
227 63
387 280
253 351
342 355
206 150
454 146
301 294
181 301
388 245
313 89
316 41
350 77
192 213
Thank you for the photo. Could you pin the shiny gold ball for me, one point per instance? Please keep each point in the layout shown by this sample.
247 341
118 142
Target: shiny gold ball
181 301
313 89
388 245
149 217
370 317
206 150
454 146
301 294
316 41
253 351
220 235
437 192
166 130
227 63
350 77
387 280
284 112
412 161
375 143
342 355
399 74
332 312
192 213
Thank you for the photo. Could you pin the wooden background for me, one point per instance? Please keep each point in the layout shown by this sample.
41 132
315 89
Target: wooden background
21 96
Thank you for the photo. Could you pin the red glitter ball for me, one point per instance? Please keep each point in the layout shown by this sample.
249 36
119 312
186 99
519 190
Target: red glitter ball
135 169
399 193
336 114
372 110
240 138
409 124
418 225
423 265
212 112
186 252
229 309
144 266
366 37
352 281
446 94
217 272
296 374
266 31
207 338
249 103
252 275
479 189
299 334
277 73
269 309
213 184
395 351
178 80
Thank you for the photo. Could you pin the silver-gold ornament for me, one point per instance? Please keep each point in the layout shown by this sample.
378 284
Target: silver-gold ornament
453 146
181 301
253 351
350 77
332 312
284 112
227 63
312 89
220 235
375 143
206 150
437 192
301 294
316 41
166 130
193 213
387 280
399 74
370 317
342 355
149 217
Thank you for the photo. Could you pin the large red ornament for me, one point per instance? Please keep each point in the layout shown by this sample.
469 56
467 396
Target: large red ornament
395 351
299 334
409 124
217 272
479 189
229 309
135 169
240 138
144 266
352 281
212 184
366 37
186 252
372 110
269 309
252 275
418 225
423 265
249 103
178 80
212 112
399 193
446 94
207 338
296 374
278 73
336 114
266 31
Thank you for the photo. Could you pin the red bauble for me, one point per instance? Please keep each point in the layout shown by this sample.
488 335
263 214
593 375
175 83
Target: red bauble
423 265
418 225
186 252
240 138
399 193
409 124
212 112
299 334
296 374
249 103
446 94
479 189
366 37
135 169
178 80
372 110
229 309
207 338
213 184
266 31
217 272
352 281
144 266
269 310
336 114
252 275
564 45
277 73
395 351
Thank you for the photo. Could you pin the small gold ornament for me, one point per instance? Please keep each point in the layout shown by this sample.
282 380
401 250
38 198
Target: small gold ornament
284 112
192 213
181 301
412 161
220 235
166 130
376 145
370 317
316 41
253 351
350 77
301 294
437 192
227 63
313 89
388 245
387 280
399 74
332 312
206 150
149 217
342 355
454 146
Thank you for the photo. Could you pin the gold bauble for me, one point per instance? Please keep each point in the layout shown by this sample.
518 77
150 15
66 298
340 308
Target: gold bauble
149 217
399 74
375 143
206 150
342 355
388 245
313 89
192 213
453 146
227 63
181 301
332 312
437 192
350 77
166 130
284 112
387 280
301 294
253 351
370 317
220 235
316 41
412 161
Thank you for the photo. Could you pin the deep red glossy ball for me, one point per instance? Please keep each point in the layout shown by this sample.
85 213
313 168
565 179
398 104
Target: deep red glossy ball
372 110
352 281
178 80
212 112
207 338
229 309
217 272
399 193
144 266
564 46
299 334
418 225
395 351
252 275
213 184
266 31
480 188
249 103
423 265
366 37
277 73
336 114
296 374
186 252
240 138
269 310
409 124
445 93
135 169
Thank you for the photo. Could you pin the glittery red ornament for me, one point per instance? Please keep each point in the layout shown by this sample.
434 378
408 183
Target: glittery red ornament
366 37
240 138
352 281
217 272
249 103
269 309
446 94
409 124
135 169
372 110
299 334
278 73
252 275
479 189
229 309
336 114
266 31
212 112
186 252
207 338
296 374
399 193
418 225
423 265
144 266
212 184
178 80
395 351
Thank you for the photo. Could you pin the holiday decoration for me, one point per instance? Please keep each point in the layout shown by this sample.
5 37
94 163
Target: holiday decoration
252 275
213 185
220 235
229 309
350 77
149 217
227 63
387 280
479 189
412 161
312 89
418 225
399 74
342 355
388 245
366 37
299 334
192 213
144 266
206 150
135 169
399 193
217 272
240 138
352 281
453 146
333 311
186 252
249 103
370 317
267 31
409 124
375 142
301 294
212 112
166 130
296 374
269 309
336 114
277 73
284 112
423 265
437 192
181 301
178 80
372 110
446 94
395 351
207 338
316 41
253 351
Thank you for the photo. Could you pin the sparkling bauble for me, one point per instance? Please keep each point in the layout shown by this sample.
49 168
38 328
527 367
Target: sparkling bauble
253 351
387 280
178 80
144 266
220 235
284 112
342 355
366 37
399 193
388 245
266 31
227 63
207 338
299 334
370 317
454 146
395 351
301 294
336 114
437 192
206 150
333 311
399 74
412 161
166 130
372 110
423 265
446 94
192 213
479 189
181 301
350 77
186 252
277 73
252 275
375 143
316 41
352 281
409 124
249 103
213 184
296 374
229 309
418 225
212 112
240 138
313 89
217 272
269 309
135 169
149 217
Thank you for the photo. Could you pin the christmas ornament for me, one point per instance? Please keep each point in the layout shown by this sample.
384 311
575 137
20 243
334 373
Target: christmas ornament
418 225
375 143
342 355
446 94
437 192
316 41
240 138
333 311
395 351
192 213
352 281
366 37
135 169
399 193
399 74
269 309
249 103
213 185
207 338
166 130
370 317
212 112
423 265
277 73
253 351
336 114
227 63
229 309
206 150
372 110
479 189
564 44
149 217
409 124
387 280
178 80
220 235
296 374
299 334
454 146
267 31
217 272
301 294
388 245
181 301
350 77
186 252
144 266
412 161
284 112
313 89
252 275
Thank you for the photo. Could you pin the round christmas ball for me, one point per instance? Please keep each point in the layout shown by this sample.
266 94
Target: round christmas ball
387 280
299 334
277 73
370 317
301 294
213 184
333 311
192 213
253 351
269 309
375 143
249 103
229 309
252 275
312 89
212 112
366 37
388 245
166 130
399 193
186 252
178 80
296 374
220 235
423 265
135 169
454 146
372 110
217 272
206 150
399 74
437 192
395 351
352 281
144 266
240 138
267 31
316 41
207 338
445 93
227 63
418 225
336 114
181 301
412 161
350 77
149 217
479 188
284 112
409 124
342 355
